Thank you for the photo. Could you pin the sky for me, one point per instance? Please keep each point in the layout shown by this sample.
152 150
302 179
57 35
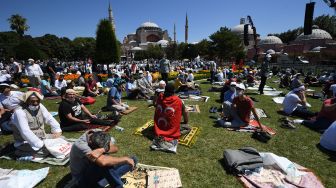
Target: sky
79 18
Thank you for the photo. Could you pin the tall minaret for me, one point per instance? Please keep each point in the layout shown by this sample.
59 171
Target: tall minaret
111 17
174 33
186 30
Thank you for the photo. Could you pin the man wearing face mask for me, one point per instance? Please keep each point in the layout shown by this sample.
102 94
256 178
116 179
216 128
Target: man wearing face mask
264 72
231 93
60 83
28 126
238 114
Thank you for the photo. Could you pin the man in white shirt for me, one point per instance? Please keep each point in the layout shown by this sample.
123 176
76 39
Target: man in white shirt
9 100
28 126
60 83
5 77
295 103
34 73
15 70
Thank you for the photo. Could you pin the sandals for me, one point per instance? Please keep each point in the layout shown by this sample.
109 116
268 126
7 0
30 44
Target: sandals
287 123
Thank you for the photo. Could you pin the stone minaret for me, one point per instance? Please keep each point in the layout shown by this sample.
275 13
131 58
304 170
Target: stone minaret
186 30
174 33
111 17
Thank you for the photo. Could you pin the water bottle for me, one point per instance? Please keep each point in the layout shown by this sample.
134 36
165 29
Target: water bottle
26 158
118 128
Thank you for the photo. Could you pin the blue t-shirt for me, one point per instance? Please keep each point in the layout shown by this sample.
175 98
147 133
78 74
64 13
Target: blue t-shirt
130 86
44 85
109 82
229 95
115 94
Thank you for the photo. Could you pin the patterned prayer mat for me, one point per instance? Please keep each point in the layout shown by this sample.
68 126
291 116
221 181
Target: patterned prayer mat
252 127
260 112
193 108
186 140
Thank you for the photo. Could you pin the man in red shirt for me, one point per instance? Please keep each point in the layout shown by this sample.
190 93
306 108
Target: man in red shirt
91 88
241 108
167 119
325 117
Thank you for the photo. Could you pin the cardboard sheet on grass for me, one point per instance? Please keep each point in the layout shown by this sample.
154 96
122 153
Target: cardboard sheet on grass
186 140
130 110
280 172
195 98
9 155
252 127
279 100
11 178
260 112
152 177
193 108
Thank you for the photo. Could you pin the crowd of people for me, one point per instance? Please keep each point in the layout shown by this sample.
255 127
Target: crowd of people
23 114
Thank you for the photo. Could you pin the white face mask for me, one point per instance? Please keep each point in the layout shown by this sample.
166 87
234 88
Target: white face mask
240 93
33 108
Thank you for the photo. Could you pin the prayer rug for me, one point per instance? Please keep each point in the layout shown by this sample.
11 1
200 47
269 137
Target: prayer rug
8 153
252 127
279 100
147 176
260 112
186 140
193 108
130 110
256 88
22 178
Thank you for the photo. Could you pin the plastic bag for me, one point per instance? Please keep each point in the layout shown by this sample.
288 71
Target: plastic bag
58 147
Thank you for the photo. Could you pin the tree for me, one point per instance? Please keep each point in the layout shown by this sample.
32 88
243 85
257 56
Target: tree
155 52
83 47
327 23
226 44
18 23
171 51
107 48
27 49
203 49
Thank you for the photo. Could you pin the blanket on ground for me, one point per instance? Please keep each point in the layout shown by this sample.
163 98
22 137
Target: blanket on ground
256 88
272 93
11 178
193 108
279 100
195 98
280 172
187 140
8 153
252 127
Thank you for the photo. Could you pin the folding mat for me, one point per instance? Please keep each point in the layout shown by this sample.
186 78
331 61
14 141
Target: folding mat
252 127
9 155
186 140
130 110
193 108
152 176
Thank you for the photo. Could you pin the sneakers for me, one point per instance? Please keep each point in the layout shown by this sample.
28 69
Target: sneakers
287 123
159 144
213 109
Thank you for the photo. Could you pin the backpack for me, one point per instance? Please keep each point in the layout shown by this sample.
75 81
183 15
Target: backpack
246 158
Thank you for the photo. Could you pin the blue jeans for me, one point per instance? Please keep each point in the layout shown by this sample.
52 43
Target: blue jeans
320 124
95 173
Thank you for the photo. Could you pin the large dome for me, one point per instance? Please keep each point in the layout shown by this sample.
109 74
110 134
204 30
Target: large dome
149 24
270 40
316 34
239 29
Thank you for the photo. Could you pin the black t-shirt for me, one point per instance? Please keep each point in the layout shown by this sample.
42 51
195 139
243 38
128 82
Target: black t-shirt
67 107
51 65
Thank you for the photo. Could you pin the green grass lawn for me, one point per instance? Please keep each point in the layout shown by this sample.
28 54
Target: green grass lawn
199 165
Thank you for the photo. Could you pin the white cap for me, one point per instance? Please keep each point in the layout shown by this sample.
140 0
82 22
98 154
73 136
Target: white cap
240 86
268 55
31 60
162 82
233 83
141 72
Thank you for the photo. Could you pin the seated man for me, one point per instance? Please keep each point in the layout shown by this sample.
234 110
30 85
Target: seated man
250 80
91 88
231 93
60 83
296 82
219 77
328 139
144 85
9 101
70 112
46 89
285 80
132 91
238 113
114 99
295 104
325 117
28 126
92 166
190 77
5 77
168 114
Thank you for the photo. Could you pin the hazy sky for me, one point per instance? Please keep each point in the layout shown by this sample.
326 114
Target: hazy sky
74 18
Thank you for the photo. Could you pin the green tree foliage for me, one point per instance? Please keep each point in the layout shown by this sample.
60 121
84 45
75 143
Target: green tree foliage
18 24
203 49
226 44
171 51
27 49
155 52
8 40
83 47
327 23
289 35
55 47
140 55
107 48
